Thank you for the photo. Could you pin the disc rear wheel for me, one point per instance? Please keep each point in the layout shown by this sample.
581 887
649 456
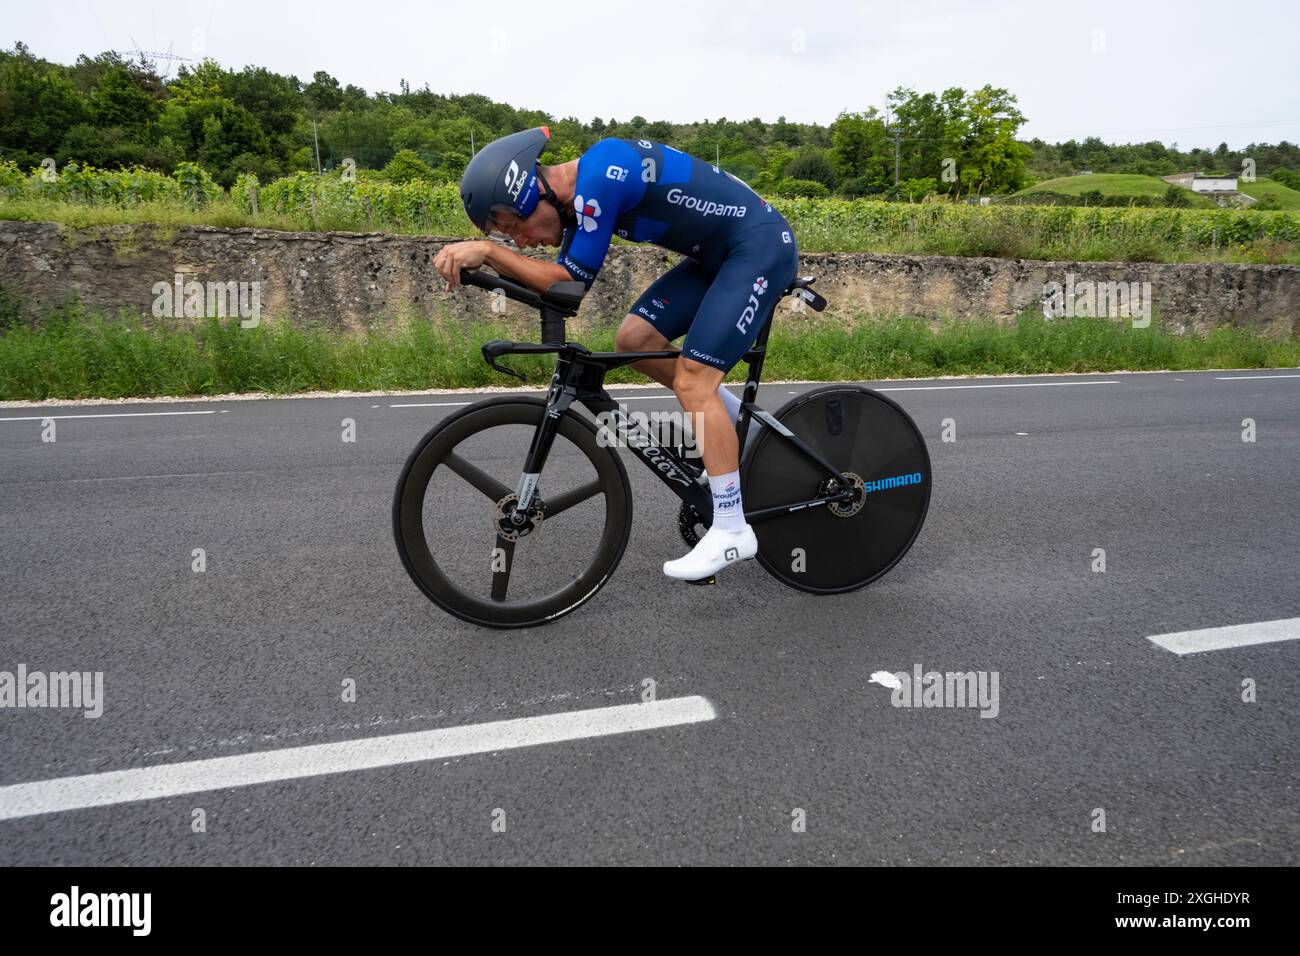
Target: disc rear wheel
840 546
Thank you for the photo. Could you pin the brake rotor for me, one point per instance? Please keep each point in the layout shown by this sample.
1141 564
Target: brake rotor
505 511
846 509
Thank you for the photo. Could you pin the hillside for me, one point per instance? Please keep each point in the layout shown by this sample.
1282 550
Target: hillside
1109 184
1262 187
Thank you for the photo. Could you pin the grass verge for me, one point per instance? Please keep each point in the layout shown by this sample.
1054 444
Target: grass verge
74 355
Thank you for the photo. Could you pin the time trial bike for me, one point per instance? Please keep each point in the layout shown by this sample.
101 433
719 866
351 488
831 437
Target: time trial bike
516 510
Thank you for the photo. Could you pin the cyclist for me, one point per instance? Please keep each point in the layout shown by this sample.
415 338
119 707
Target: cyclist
739 256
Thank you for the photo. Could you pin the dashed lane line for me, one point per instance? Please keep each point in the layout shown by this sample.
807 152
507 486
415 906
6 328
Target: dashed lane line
219 773
41 418
1236 635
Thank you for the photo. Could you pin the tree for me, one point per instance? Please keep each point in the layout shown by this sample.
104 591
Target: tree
1287 177
982 126
789 134
119 100
275 100
38 104
406 166
323 92
214 131
204 81
812 164
922 125
861 151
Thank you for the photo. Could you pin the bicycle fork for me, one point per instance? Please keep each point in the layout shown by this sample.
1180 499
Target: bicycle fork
558 400
576 381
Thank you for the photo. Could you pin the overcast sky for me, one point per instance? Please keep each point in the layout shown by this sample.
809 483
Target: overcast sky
1191 72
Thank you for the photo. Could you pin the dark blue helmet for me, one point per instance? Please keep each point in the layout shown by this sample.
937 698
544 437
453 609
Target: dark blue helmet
503 175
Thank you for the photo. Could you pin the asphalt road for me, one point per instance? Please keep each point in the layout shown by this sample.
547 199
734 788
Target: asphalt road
303 590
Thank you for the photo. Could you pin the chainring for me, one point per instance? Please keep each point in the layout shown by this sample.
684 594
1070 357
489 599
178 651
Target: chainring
687 521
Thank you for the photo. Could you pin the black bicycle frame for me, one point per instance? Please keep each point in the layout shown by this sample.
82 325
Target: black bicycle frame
579 377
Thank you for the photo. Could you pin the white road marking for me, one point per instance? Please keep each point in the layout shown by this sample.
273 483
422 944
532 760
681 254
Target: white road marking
1242 378
936 388
41 418
292 763
179 474
1236 635
429 404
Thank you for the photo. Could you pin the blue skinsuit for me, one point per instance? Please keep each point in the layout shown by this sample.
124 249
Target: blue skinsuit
740 253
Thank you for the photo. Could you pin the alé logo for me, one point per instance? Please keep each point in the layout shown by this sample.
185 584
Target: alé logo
588 212
760 286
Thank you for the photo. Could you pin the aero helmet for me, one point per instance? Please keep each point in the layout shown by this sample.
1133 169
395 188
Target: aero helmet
503 175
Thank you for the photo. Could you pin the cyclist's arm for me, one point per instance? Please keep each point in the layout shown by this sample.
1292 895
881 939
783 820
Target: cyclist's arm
608 182
538 274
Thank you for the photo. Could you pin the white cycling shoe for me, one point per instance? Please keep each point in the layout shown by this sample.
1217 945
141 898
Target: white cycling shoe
715 551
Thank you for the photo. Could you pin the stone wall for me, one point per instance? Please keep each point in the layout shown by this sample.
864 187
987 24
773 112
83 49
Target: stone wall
350 280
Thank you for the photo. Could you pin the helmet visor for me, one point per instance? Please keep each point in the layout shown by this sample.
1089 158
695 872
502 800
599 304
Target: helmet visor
502 218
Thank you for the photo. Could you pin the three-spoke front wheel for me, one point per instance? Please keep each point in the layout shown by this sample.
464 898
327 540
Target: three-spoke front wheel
453 505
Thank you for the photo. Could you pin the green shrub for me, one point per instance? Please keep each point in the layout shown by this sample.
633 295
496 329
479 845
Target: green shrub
407 166
801 187
197 188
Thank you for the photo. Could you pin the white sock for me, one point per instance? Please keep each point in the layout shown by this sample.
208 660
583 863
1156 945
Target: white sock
728 512
732 403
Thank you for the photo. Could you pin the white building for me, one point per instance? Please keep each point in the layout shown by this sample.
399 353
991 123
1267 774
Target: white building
1201 183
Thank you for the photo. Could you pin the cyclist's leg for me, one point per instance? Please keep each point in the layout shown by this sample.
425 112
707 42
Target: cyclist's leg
738 304
663 312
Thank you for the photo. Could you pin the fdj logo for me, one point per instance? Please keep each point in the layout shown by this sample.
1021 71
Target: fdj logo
760 286
588 211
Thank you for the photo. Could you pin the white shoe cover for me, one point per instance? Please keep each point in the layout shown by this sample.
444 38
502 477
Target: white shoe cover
715 551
